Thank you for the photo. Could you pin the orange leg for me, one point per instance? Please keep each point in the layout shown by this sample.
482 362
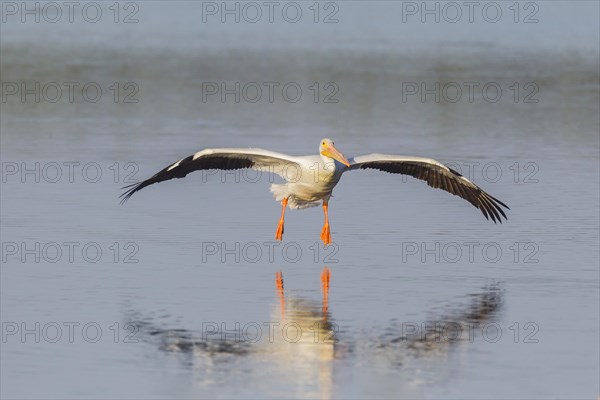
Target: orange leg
325 278
279 285
279 231
325 232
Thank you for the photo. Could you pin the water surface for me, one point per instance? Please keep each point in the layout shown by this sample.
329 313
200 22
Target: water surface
427 299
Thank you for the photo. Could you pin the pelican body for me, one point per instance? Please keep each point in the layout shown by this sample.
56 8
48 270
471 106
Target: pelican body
310 180
314 182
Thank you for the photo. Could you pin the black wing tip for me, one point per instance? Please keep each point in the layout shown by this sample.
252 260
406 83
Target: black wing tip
492 206
131 189
499 202
497 212
130 186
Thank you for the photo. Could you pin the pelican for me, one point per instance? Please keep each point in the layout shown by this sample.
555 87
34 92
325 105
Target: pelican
311 179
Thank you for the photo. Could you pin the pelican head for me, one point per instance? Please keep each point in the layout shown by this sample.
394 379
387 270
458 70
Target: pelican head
329 152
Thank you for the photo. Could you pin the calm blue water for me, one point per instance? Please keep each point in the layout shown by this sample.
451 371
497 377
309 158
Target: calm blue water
174 294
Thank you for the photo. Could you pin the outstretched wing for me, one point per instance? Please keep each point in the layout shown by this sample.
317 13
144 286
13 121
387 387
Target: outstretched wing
438 176
224 159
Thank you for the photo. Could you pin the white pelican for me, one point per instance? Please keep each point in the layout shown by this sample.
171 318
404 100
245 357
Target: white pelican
311 179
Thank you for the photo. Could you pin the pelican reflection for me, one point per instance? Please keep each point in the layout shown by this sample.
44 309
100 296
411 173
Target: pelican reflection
297 344
438 336
305 349
300 344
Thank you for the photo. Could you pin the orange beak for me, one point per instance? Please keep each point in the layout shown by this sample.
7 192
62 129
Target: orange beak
334 153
